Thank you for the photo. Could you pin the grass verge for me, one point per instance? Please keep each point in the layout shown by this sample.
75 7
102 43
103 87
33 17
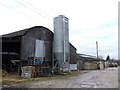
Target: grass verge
14 77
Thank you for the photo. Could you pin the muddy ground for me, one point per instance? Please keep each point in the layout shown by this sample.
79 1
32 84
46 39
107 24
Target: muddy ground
107 78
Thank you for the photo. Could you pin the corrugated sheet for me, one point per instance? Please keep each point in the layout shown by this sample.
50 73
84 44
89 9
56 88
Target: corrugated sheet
39 48
14 34
73 66
73 59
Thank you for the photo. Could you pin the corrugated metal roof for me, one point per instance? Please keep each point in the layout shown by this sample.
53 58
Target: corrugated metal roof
72 45
89 57
21 32
17 33
85 55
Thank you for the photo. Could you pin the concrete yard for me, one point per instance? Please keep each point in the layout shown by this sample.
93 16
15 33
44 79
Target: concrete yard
107 78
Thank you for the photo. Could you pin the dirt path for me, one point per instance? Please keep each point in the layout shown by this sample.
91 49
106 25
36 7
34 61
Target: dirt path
107 78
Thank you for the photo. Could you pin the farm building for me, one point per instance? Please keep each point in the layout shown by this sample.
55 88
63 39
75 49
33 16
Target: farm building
33 42
89 62
39 45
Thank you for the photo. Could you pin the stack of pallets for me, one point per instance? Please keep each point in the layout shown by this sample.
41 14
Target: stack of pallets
41 67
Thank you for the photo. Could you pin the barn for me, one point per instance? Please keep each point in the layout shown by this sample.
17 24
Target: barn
32 42
39 48
29 43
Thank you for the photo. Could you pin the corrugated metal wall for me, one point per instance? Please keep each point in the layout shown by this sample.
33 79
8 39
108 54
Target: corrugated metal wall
73 59
40 48
37 42
27 47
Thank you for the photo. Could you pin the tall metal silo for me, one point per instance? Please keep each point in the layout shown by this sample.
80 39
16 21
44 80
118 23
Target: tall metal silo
61 42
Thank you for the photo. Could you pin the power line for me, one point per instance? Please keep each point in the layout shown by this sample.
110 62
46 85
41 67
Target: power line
48 16
39 10
7 6
31 9
43 15
23 14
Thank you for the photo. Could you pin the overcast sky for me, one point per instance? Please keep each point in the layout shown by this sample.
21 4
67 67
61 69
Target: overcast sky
89 21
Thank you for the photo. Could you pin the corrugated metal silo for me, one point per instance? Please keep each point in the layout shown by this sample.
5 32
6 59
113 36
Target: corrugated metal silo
61 42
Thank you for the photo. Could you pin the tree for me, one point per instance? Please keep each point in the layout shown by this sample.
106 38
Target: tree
108 58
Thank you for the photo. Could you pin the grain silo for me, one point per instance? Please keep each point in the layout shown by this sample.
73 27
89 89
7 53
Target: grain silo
61 43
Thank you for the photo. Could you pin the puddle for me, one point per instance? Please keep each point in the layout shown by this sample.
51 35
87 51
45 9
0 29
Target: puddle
87 85
83 71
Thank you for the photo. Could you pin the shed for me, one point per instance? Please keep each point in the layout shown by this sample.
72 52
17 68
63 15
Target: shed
89 62
31 42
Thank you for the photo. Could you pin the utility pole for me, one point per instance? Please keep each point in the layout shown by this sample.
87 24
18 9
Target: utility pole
97 49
